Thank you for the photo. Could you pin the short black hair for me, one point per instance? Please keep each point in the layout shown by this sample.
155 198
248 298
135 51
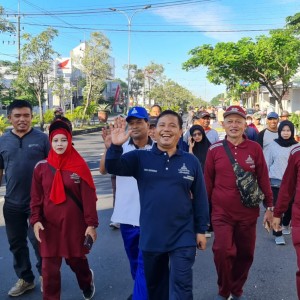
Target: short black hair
156 105
57 124
18 104
62 118
173 113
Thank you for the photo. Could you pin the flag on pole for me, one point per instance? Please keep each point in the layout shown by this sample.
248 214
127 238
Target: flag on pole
117 94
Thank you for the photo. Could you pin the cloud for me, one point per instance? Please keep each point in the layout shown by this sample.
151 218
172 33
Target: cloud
287 1
206 17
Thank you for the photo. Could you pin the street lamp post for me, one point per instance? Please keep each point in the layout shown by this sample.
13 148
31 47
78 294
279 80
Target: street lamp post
129 20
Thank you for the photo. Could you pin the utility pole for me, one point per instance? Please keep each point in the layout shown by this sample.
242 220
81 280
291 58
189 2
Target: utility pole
19 34
129 20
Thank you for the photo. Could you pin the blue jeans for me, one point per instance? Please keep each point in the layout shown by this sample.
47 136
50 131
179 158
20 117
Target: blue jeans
131 237
169 275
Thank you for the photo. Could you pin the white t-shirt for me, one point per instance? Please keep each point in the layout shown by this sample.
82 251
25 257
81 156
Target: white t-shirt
127 204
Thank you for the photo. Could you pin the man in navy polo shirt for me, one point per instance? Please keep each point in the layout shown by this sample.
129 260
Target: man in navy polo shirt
171 223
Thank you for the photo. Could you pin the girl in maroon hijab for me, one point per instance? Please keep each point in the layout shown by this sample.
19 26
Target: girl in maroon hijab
63 212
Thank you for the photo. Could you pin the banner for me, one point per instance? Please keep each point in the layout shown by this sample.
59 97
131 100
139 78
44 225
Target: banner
117 95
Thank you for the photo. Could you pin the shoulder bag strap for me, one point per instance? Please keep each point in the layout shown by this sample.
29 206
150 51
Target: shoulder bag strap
69 193
228 152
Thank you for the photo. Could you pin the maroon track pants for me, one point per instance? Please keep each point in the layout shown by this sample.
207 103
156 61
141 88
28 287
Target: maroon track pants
296 242
51 275
233 250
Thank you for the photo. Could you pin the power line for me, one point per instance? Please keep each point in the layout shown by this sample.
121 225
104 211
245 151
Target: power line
6 54
106 10
151 31
50 14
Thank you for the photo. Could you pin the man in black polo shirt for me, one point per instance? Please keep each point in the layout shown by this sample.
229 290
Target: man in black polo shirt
20 149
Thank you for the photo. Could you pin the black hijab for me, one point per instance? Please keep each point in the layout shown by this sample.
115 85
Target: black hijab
290 141
200 148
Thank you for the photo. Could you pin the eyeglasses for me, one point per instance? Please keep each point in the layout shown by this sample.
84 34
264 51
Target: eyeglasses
197 133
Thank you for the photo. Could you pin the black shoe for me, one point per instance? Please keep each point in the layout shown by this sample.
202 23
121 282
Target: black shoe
130 297
90 292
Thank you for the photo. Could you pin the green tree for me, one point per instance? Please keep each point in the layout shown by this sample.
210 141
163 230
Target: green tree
24 90
266 61
171 95
62 90
123 84
3 124
197 102
7 94
153 77
94 64
37 56
137 81
5 25
293 23
218 100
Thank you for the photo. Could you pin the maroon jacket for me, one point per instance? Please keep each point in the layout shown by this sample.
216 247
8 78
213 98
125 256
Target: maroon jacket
64 223
220 179
290 186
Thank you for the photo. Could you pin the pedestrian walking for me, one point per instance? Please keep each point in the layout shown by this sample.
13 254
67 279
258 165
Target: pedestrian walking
107 141
20 149
256 117
59 115
277 156
270 133
171 225
63 213
284 115
199 144
127 206
234 224
189 119
152 126
155 110
289 188
203 119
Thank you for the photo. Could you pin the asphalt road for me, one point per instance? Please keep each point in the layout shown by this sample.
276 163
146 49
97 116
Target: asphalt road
272 275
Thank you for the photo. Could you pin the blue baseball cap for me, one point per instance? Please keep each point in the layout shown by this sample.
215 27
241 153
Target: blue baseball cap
272 115
137 112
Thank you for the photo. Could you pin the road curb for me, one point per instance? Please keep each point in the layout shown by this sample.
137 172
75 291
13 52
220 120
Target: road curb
85 131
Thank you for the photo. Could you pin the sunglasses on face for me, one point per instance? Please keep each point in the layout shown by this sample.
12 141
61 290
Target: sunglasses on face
197 133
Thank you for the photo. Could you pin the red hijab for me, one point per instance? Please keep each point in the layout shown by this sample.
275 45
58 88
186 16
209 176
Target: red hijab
70 160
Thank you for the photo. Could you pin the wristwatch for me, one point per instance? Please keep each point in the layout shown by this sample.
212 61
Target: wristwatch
270 208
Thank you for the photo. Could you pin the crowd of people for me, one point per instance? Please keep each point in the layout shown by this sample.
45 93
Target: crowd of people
172 184
233 224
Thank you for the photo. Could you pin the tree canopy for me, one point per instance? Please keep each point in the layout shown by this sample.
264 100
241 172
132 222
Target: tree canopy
270 61
171 95
94 64
37 56
5 25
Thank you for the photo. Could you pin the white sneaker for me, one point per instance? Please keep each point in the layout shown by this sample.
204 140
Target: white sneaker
41 284
20 288
279 240
286 230
114 225
90 292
